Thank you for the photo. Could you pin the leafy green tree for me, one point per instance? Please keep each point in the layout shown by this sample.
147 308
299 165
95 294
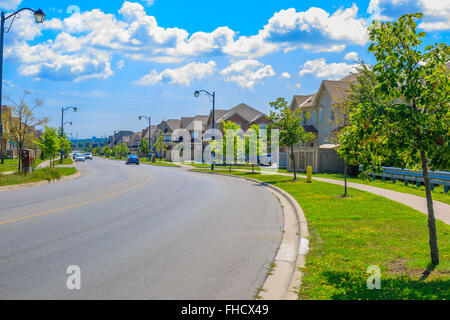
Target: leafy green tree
259 140
107 151
160 146
96 151
409 126
289 123
124 150
116 151
65 145
49 144
144 146
361 92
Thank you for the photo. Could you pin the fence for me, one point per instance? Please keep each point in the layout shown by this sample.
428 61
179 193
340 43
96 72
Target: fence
436 177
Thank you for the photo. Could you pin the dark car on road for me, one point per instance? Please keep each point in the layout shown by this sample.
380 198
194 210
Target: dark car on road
132 159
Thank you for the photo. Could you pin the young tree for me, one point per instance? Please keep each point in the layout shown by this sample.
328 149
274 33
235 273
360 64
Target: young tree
144 146
259 140
65 145
124 150
22 123
410 125
290 124
107 151
361 92
230 132
160 146
49 144
116 151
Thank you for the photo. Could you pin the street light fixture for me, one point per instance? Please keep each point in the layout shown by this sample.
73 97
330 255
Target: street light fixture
75 109
213 96
39 17
150 147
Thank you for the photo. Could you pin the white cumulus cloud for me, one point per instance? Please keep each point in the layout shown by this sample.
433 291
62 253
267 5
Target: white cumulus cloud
333 71
183 75
247 73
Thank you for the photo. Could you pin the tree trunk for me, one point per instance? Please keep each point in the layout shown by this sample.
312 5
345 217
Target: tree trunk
431 220
20 158
345 178
293 162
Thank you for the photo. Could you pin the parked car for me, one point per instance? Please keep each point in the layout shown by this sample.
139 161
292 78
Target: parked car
74 155
132 159
265 161
80 158
88 156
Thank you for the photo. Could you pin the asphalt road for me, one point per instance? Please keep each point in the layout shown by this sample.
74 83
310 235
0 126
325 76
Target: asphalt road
138 233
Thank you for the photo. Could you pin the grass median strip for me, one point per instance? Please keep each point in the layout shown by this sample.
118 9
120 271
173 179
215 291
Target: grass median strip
49 174
349 235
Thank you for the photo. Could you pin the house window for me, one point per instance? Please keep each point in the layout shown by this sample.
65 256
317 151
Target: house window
314 117
332 114
321 115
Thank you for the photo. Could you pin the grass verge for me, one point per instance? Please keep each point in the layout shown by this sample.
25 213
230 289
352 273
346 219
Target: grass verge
349 235
438 192
49 174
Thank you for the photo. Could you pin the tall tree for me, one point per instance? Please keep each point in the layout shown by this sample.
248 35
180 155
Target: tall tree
22 123
361 92
410 125
290 124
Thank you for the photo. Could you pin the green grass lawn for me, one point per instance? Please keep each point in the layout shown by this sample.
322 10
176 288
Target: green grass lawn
43 174
66 162
438 192
243 167
9 165
160 163
349 235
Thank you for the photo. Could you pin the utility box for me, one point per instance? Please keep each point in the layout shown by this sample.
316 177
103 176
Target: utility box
27 160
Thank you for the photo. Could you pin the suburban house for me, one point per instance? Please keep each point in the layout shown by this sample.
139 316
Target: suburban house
166 128
133 142
321 153
196 126
242 114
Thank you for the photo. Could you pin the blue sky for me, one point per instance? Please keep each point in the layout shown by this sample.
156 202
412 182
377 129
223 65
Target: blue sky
116 60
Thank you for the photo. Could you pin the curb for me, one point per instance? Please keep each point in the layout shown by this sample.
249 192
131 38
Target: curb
285 280
40 183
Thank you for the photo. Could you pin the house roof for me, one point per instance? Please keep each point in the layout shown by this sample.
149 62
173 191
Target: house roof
185 121
153 130
174 124
337 89
248 113
191 124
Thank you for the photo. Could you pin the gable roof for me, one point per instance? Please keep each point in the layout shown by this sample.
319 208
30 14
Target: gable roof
191 124
248 113
173 124
337 89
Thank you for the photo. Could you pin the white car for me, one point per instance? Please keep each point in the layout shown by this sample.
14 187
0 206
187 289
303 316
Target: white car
88 156
79 158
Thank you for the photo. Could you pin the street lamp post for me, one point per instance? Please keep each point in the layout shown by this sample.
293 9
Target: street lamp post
213 96
150 147
39 17
75 109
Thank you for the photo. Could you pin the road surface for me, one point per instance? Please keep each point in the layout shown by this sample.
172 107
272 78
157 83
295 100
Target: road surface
138 233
